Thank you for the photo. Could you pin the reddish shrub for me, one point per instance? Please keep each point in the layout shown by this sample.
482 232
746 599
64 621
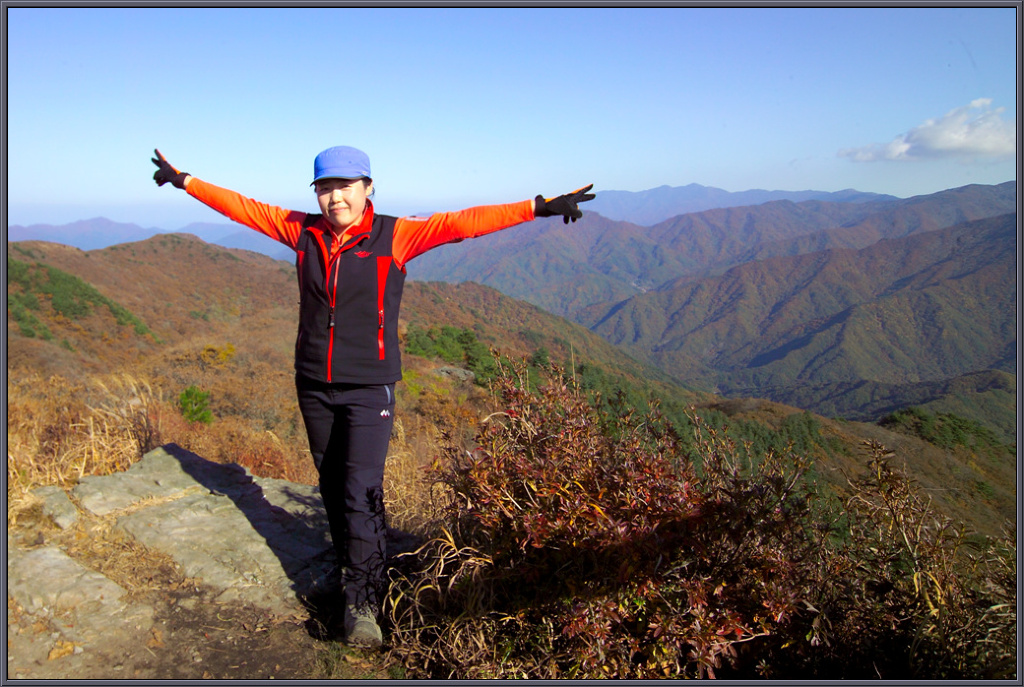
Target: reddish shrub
573 546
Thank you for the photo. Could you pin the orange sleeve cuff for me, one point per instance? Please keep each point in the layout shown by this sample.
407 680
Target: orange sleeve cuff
416 235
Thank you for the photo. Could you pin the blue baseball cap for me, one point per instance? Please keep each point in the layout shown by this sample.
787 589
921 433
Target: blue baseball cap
341 162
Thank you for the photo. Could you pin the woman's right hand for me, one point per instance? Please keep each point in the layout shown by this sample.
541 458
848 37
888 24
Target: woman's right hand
166 173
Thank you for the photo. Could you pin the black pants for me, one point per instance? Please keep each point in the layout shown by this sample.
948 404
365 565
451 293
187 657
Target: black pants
349 427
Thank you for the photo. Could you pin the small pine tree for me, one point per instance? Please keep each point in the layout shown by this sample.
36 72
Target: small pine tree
194 405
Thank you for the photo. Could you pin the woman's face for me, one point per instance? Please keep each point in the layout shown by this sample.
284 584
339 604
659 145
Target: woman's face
342 201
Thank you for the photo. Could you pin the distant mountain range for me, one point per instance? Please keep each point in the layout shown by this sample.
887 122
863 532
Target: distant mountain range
849 307
845 309
99 232
658 204
644 207
832 331
566 268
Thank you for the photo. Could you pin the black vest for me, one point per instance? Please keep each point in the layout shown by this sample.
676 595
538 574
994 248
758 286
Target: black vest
356 340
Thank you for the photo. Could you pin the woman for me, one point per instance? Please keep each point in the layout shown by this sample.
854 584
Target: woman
351 269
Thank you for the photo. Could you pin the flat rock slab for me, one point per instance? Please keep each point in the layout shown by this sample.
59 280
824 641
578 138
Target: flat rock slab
69 583
254 540
80 608
245 542
245 538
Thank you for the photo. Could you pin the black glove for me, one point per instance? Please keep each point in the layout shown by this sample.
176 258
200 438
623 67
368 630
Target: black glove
564 205
166 173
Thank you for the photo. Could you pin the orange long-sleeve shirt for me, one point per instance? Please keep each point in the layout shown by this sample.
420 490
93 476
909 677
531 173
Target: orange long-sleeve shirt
413 235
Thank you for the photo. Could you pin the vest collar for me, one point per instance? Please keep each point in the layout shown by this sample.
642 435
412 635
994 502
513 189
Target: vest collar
354 235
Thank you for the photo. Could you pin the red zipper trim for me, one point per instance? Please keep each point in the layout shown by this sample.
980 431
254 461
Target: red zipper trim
331 295
383 266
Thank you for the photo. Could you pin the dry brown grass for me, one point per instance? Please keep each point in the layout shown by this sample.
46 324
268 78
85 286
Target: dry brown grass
98 544
237 440
59 431
407 486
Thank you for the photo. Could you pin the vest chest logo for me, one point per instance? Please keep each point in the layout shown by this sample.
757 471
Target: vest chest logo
363 254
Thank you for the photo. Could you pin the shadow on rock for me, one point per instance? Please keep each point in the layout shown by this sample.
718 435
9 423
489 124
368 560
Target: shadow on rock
290 519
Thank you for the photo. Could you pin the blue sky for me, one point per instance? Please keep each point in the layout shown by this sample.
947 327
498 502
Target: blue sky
462 106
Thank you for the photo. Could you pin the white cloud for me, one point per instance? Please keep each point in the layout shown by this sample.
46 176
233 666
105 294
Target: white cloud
974 131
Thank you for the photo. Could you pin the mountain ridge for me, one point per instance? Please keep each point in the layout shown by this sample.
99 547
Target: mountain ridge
601 271
921 308
234 292
224 320
565 268
655 205
100 232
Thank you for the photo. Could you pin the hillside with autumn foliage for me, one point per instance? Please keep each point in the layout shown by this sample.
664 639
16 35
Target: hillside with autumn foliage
178 314
520 437
847 309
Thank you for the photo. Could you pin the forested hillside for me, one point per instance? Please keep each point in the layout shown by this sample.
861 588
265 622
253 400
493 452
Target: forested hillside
181 314
803 330
564 268
723 301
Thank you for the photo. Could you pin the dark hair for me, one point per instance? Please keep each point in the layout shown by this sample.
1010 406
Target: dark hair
366 183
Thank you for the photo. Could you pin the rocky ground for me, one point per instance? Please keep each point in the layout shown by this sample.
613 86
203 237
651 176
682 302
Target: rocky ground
178 568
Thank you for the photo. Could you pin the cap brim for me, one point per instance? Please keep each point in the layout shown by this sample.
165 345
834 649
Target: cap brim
335 176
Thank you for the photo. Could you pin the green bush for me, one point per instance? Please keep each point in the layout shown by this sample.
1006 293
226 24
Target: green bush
194 405
20 305
453 346
613 396
436 342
